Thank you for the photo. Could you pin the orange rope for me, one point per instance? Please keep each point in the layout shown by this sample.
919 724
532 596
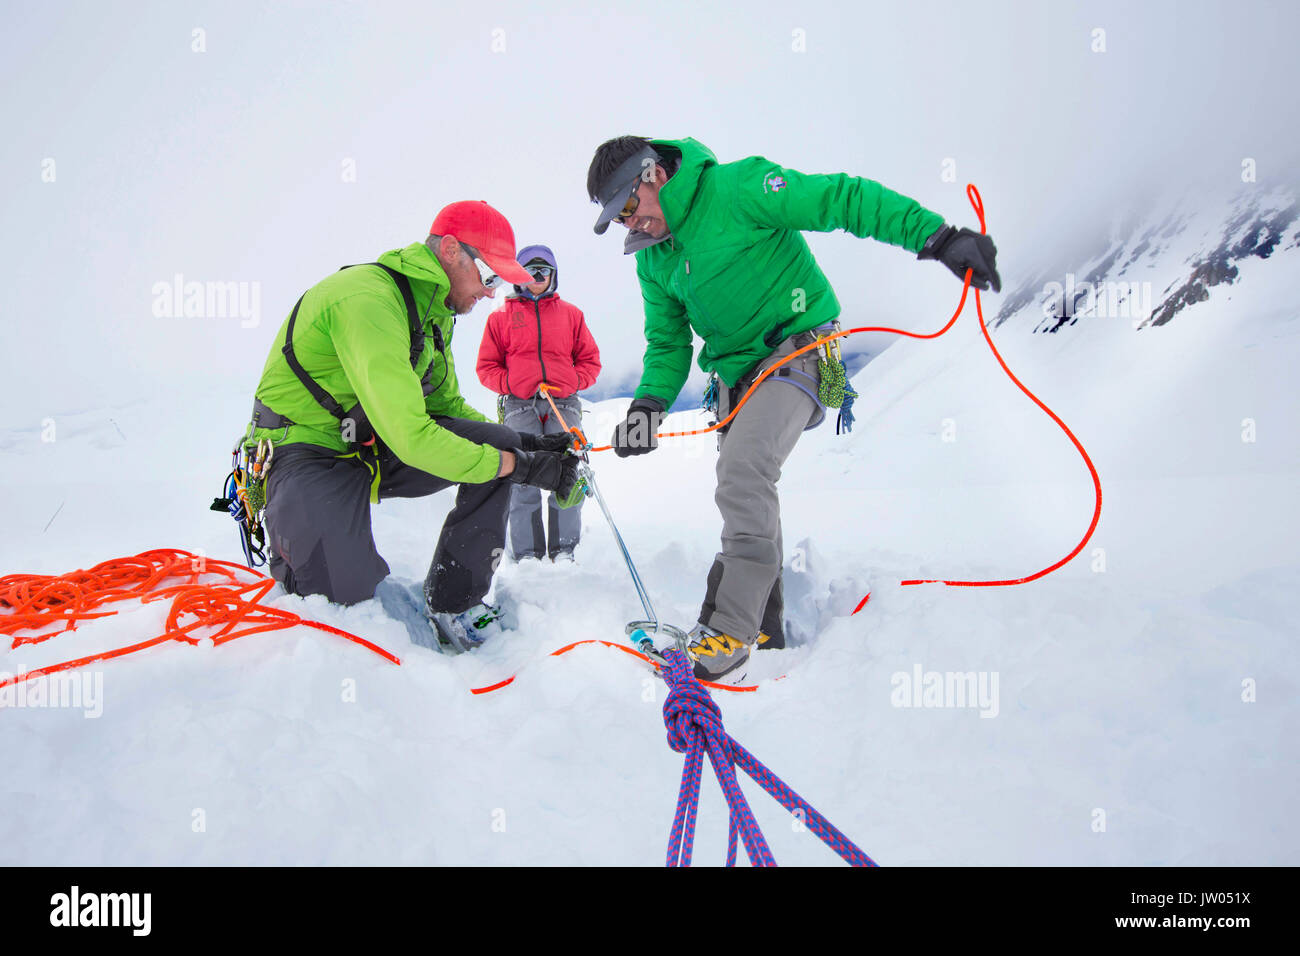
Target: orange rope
735 688
54 604
41 603
978 204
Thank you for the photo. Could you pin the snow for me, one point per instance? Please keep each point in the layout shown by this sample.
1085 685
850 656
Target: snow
1120 677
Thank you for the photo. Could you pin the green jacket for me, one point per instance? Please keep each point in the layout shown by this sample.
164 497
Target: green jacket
353 337
736 269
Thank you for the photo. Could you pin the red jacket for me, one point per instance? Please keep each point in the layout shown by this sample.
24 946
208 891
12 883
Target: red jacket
530 341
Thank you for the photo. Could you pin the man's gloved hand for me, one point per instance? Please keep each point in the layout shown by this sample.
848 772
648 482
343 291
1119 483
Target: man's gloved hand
558 441
638 433
548 470
962 249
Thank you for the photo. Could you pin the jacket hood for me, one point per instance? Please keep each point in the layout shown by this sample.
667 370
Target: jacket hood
528 253
678 194
418 262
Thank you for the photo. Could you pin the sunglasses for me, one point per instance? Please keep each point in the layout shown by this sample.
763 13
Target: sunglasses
539 272
489 278
630 207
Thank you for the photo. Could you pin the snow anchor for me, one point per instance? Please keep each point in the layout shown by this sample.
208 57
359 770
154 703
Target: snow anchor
694 723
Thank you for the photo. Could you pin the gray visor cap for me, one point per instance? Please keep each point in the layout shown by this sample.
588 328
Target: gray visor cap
616 189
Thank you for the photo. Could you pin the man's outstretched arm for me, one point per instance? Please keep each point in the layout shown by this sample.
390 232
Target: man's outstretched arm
774 195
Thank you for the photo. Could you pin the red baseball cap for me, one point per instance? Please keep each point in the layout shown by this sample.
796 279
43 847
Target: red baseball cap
477 224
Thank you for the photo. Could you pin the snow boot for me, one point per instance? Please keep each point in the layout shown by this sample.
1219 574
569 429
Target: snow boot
403 601
718 657
468 629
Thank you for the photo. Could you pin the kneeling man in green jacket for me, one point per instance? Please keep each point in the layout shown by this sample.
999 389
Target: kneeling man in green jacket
720 253
360 398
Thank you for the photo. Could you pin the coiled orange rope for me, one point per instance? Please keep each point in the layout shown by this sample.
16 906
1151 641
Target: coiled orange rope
49 605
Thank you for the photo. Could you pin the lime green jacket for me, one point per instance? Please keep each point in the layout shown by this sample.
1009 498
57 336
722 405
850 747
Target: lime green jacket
737 270
353 337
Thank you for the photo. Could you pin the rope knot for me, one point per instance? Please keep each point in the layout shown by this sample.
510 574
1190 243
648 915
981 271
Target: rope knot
694 723
690 713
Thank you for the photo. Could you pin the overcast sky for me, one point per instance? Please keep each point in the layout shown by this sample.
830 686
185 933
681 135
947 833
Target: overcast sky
130 156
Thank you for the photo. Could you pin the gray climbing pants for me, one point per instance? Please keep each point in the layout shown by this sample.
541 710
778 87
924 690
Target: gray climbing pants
743 593
564 525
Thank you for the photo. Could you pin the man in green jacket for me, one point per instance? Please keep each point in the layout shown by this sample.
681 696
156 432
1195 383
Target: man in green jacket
360 399
719 253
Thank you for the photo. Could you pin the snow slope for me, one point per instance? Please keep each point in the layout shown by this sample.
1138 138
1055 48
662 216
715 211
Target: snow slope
1119 678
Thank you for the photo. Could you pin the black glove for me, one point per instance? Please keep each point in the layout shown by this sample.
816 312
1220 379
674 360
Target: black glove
962 249
638 433
546 470
559 441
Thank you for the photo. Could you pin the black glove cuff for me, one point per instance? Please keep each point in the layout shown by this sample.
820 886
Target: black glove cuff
938 239
649 403
523 462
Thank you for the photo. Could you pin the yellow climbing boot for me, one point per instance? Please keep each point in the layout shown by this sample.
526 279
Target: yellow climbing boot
718 657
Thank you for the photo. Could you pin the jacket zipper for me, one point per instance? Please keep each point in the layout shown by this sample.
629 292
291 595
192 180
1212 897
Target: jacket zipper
690 290
541 361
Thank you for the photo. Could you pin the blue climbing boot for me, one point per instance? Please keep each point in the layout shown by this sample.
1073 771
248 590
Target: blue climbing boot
468 629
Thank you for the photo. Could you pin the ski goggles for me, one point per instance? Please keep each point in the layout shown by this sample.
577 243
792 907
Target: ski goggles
489 278
539 272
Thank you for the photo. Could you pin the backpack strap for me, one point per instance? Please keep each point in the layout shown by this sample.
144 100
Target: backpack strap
324 398
412 313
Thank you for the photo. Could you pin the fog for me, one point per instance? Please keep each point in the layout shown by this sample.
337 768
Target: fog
269 144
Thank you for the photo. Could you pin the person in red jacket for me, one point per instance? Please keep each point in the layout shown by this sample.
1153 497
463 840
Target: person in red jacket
535 338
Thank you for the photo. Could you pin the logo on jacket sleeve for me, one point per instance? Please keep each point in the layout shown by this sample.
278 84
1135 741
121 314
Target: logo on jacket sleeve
773 182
